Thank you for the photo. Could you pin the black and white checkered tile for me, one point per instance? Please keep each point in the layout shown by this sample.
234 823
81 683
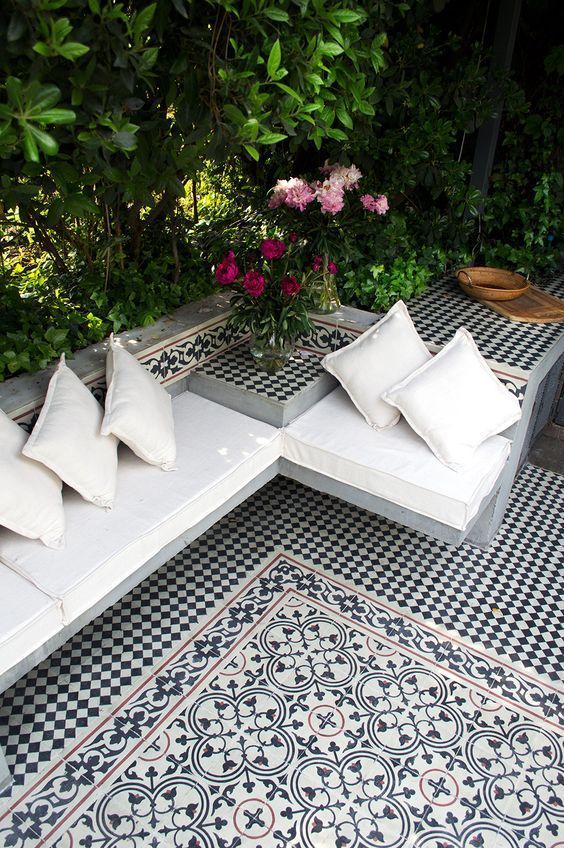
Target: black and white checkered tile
238 368
507 599
443 308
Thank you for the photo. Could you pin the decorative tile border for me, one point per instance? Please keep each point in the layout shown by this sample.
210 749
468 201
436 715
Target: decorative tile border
48 805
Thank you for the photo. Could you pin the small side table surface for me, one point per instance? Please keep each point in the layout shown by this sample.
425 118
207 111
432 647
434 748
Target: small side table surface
233 379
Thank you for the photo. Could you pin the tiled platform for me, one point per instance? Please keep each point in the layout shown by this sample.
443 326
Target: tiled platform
234 380
507 600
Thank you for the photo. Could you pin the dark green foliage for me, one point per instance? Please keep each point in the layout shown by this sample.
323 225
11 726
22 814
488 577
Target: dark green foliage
110 115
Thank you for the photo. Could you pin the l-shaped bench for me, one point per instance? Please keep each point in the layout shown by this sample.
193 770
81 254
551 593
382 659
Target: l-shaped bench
224 456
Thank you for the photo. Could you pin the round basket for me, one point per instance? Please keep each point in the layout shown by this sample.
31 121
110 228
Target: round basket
491 283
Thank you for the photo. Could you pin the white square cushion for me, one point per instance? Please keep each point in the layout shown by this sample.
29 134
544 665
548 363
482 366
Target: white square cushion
138 409
220 451
394 464
66 438
455 402
31 502
379 358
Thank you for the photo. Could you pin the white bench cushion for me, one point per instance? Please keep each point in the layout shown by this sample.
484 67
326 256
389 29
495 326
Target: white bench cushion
396 464
219 452
28 618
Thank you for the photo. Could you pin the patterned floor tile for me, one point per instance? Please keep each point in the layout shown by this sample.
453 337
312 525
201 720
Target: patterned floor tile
318 716
507 599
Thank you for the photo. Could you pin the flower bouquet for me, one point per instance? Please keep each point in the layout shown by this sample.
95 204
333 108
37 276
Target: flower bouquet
268 300
327 219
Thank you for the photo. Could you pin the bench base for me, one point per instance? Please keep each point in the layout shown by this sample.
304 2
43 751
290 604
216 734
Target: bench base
385 508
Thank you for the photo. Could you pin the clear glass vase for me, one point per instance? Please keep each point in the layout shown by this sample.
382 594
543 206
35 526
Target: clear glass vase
325 295
270 353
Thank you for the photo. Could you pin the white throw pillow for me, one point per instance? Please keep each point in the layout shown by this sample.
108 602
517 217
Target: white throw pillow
66 438
379 358
31 502
138 409
455 402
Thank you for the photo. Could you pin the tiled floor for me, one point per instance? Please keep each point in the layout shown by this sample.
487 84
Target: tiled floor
508 600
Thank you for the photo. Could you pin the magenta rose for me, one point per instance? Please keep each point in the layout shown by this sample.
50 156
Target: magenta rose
254 283
293 237
317 264
227 270
332 268
272 249
290 285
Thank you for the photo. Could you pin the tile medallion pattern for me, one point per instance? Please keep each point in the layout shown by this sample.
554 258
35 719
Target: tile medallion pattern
307 713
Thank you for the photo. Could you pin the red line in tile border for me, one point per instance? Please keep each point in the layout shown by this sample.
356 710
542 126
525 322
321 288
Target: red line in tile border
153 730
442 667
429 626
154 673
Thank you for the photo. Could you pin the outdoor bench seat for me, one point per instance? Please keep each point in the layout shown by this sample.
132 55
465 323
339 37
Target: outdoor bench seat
394 464
220 454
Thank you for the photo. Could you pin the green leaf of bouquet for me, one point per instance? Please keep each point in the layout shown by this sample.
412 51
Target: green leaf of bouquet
31 152
234 114
43 98
274 58
252 151
330 48
72 50
292 92
345 16
344 117
56 116
16 27
42 48
276 14
124 140
143 19
45 141
272 138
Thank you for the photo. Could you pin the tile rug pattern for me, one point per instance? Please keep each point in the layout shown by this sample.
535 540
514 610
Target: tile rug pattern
507 599
305 713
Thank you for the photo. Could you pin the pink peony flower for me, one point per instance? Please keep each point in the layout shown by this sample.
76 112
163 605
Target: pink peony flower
294 193
317 264
332 268
298 194
381 205
290 285
375 204
293 237
227 270
254 283
327 168
272 249
330 194
348 177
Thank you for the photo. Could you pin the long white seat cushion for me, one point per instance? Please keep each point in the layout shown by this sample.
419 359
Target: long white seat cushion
396 464
219 452
28 618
